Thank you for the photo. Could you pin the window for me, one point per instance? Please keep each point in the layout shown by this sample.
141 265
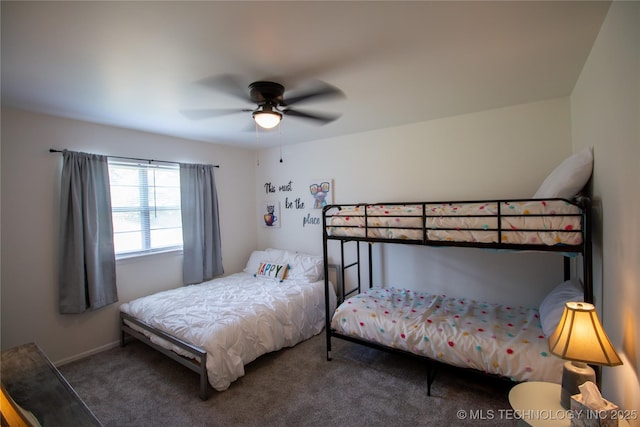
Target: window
145 204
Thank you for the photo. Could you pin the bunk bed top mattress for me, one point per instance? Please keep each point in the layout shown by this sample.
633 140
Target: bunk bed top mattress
497 339
235 319
533 222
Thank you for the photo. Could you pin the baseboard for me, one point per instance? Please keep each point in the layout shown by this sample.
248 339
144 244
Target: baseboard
87 353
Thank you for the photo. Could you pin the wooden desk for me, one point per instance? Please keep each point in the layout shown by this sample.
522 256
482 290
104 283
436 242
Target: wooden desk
37 386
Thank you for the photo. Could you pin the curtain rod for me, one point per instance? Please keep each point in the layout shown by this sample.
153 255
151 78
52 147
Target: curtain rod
53 150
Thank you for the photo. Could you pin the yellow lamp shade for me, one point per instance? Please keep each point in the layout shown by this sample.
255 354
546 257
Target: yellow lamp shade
580 337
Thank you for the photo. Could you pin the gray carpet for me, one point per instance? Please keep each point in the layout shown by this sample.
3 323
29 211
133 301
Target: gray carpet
137 386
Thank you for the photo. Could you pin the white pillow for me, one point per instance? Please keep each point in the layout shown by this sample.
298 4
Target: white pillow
254 261
552 305
301 266
568 178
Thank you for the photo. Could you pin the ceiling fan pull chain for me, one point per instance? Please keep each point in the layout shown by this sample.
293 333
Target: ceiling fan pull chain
257 146
280 140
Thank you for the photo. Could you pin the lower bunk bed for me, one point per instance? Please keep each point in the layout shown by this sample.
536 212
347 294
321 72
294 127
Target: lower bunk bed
510 342
502 340
217 327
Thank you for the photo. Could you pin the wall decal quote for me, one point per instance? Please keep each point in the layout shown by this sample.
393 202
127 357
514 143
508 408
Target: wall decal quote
319 193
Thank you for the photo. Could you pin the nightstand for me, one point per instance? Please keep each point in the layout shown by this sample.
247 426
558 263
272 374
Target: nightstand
537 404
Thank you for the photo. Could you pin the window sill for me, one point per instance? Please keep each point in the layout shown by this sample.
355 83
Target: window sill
131 258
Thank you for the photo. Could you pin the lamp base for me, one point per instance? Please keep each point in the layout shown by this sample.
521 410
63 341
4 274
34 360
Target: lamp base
573 375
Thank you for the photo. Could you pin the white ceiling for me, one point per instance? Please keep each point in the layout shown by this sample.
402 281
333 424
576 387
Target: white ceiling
137 64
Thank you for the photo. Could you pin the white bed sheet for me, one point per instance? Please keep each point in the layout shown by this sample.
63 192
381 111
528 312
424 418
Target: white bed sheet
498 339
235 319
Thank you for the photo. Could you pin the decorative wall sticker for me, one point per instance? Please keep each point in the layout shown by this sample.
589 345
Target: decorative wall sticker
307 200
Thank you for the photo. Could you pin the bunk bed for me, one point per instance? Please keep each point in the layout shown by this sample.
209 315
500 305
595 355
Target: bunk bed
456 331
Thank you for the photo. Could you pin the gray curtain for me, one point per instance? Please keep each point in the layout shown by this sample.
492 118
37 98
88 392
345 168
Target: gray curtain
200 225
87 277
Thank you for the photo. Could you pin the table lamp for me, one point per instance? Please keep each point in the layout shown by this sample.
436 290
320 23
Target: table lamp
580 339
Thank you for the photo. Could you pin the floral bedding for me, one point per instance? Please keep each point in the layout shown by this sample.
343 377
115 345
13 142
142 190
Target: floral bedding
537 222
498 339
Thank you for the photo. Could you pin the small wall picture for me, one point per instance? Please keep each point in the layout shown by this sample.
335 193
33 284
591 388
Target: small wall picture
270 212
321 191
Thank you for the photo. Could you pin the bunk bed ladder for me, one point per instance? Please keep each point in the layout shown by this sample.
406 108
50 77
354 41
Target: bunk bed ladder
342 291
344 294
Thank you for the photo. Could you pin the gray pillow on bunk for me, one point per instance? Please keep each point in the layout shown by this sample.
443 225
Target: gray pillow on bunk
552 305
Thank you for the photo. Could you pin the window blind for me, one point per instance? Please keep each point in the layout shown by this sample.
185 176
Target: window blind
145 204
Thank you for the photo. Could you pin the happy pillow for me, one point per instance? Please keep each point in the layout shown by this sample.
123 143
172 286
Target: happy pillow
302 266
272 270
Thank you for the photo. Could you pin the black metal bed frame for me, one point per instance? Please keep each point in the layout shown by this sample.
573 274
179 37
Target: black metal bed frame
584 249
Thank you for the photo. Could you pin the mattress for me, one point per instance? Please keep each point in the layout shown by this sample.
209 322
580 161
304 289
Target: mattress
531 222
235 319
493 338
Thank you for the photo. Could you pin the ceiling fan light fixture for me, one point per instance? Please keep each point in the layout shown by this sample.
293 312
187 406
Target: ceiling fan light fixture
267 119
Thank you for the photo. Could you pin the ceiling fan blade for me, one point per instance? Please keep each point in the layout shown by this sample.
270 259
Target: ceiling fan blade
227 83
321 118
324 90
201 114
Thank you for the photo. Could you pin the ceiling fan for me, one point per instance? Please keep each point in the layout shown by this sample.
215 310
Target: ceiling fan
270 100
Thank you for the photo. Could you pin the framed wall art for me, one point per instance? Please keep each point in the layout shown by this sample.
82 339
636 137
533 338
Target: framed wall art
270 214
321 193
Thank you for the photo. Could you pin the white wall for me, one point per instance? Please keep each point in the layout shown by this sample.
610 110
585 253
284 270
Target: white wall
499 153
605 106
30 190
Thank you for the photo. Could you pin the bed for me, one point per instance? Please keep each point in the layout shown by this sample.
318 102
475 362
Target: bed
217 327
516 222
507 341
501 340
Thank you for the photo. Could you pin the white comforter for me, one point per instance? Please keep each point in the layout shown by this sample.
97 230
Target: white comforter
235 319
